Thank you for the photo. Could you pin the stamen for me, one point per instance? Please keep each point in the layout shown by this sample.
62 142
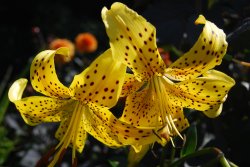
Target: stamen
176 130
69 136
156 89
171 139
169 128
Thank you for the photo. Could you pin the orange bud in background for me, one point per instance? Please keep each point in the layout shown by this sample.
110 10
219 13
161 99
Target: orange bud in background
86 43
57 43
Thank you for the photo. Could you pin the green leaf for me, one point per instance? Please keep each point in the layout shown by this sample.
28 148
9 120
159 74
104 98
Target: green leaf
113 163
191 141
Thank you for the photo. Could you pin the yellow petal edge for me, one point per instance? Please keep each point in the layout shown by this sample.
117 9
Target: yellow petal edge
16 90
200 20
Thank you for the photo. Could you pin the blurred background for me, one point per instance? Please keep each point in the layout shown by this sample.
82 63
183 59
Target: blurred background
27 28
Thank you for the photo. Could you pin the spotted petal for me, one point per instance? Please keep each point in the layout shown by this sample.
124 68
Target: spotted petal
133 40
206 53
43 75
141 109
101 82
131 84
177 114
37 109
205 93
104 126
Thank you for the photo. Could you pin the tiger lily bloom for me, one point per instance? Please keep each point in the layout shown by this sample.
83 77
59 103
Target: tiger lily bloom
156 95
82 108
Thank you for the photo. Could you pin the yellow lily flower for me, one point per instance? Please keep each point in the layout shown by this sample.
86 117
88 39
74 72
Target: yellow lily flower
156 95
82 108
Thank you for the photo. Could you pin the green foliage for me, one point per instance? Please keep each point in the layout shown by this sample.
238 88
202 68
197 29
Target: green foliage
114 163
191 141
4 103
6 145
228 57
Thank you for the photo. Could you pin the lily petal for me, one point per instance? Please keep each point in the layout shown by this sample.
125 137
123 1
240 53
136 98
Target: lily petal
206 53
97 125
131 84
101 82
113 132
141 109
16 90
38 109
180 121
205 93
135 157
133 41
213 111
43 75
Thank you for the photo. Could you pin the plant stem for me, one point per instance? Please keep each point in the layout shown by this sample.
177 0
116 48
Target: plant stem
232 164
173 150
5 80
241 62
210 150
224 161
163 155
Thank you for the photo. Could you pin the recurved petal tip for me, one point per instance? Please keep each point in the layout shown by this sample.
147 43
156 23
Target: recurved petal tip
16 89
200 20
213 113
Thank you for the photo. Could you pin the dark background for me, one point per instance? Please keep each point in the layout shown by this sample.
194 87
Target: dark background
174 22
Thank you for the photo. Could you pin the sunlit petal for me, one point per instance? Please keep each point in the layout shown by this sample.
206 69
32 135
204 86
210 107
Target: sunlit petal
16 89
131 84
135 157
101 82
214 110
206 53
107 128
133 40
43 75
141 109
38 109
203 93
98 126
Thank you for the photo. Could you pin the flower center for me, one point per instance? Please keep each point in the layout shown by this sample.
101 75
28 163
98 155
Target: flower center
69 136
164 107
